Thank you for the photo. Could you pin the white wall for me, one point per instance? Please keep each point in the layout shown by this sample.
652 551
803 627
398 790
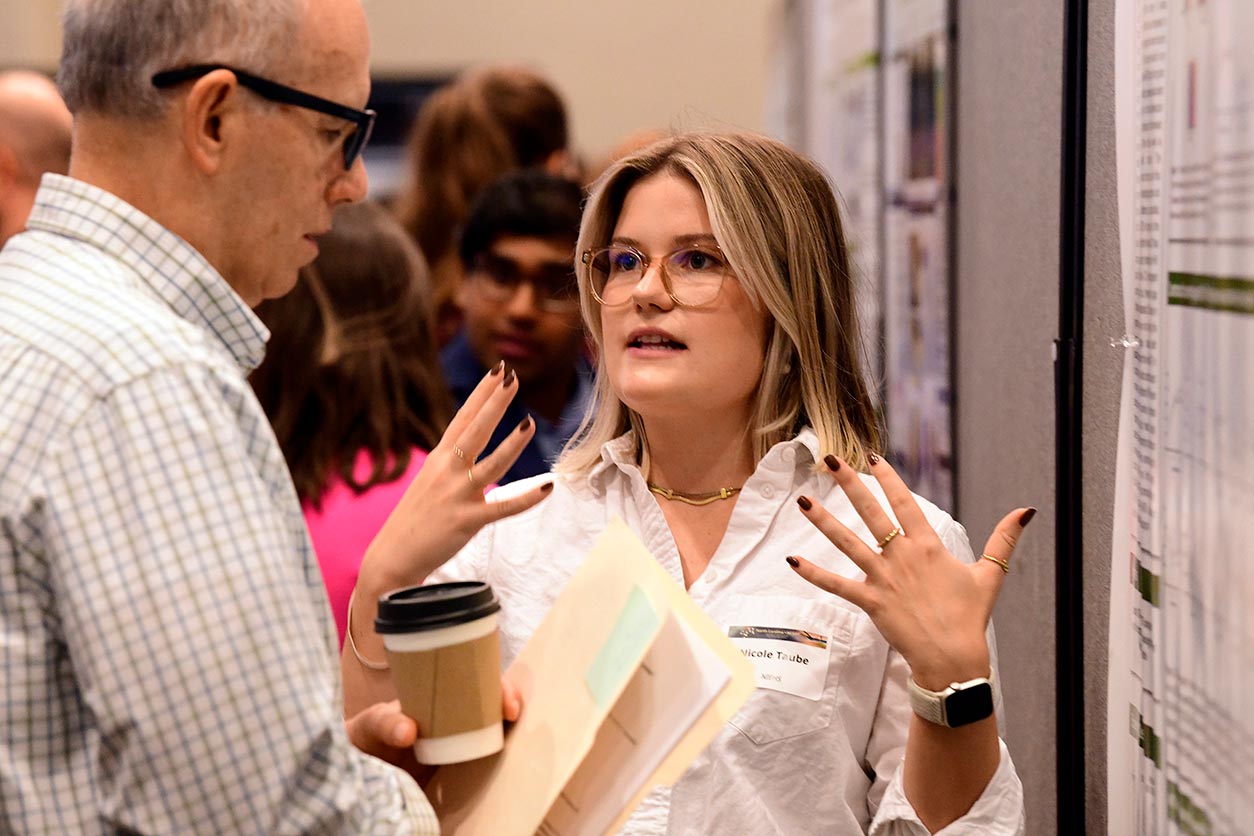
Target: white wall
621 67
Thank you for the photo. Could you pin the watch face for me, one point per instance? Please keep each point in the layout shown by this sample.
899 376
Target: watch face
969 705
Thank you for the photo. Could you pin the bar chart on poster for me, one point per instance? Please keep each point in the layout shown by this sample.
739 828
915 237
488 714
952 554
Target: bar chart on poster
1181 723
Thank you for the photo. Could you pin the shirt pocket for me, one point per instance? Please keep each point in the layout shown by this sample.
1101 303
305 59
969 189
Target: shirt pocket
770 714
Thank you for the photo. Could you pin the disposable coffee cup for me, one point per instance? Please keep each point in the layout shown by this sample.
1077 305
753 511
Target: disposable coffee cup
445 657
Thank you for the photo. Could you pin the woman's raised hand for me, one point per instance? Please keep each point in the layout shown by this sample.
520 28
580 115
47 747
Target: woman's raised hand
444 506
930 606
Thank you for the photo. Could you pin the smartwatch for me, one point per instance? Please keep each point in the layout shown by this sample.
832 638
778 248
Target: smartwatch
959 704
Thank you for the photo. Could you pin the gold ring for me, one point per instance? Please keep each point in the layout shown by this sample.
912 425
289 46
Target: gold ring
1005 567
459 452
470 476
888 538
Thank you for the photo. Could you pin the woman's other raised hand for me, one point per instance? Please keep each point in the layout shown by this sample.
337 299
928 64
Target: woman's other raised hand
930 606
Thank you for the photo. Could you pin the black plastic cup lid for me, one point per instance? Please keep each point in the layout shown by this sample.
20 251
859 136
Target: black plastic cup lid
416 609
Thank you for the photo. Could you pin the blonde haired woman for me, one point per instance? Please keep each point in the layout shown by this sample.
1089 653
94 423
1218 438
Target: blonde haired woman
732 428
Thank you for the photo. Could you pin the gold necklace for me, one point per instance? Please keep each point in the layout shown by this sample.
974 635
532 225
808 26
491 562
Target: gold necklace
693 498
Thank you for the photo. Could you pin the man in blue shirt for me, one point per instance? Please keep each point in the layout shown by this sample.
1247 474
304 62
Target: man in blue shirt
521 305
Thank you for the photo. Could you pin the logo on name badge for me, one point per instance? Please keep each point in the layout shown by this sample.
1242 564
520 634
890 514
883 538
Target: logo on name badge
786 659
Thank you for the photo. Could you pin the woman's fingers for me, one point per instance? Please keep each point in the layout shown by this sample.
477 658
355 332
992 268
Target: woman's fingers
907 511
488 384
994 563
472 435
496 464
842 538
471 429
863 501
855 592
499 509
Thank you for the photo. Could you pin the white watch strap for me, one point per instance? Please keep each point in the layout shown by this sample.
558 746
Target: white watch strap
930 705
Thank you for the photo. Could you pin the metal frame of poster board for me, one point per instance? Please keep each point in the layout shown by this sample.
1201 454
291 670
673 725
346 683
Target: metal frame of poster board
1068 385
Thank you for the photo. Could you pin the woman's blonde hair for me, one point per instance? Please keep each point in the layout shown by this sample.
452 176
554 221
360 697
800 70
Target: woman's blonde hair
775 217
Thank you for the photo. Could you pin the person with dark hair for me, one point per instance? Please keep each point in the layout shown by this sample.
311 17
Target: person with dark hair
487 122
352 386
520 301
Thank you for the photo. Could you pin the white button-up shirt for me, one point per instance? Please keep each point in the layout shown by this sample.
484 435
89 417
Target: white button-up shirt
785 764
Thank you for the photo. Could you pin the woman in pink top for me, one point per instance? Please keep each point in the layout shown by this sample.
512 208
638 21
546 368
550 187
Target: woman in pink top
352 385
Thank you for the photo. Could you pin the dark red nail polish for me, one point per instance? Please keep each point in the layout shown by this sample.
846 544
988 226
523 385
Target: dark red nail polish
1026 517
833 463
546 487
805 503
873 459
498 368
792 561
525 424
509 377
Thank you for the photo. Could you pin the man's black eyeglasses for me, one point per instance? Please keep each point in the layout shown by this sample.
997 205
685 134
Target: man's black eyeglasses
282 94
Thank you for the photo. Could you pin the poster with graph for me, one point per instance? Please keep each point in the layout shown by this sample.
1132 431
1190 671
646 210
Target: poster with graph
1181 722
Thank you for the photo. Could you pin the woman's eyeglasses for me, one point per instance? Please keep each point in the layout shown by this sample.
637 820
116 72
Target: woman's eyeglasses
692 275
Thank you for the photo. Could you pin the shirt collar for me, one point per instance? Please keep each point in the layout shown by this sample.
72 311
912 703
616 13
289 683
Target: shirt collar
802 450
164 262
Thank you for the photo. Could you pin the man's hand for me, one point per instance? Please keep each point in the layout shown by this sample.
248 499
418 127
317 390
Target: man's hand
383 731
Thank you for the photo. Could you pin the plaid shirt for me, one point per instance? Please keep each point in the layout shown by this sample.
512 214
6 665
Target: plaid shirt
168 654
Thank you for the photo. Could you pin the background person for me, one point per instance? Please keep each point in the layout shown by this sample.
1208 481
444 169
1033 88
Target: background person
487 122
520 305
352 386
731 404
168 662
34 138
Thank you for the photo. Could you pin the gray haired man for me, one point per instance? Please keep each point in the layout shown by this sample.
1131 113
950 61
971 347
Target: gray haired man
168 660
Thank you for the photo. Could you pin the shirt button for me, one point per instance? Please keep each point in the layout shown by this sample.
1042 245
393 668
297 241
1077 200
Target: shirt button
711 577
768 491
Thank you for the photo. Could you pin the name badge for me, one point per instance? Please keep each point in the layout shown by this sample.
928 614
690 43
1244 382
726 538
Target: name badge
786 659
